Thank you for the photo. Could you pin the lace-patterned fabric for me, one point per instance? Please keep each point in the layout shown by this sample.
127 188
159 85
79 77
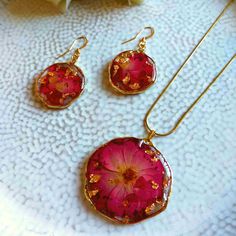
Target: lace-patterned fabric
43 152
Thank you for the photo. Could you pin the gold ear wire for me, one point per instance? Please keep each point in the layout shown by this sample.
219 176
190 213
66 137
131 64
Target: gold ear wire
77 51
152 32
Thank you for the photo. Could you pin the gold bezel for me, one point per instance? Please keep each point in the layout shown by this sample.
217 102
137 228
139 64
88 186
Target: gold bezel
130 92
116 220
78 69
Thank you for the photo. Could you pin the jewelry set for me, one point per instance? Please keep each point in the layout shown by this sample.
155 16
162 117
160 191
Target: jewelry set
127 179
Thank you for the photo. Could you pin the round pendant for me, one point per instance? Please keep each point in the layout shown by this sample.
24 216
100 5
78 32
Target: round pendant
59 85
128 180
132 72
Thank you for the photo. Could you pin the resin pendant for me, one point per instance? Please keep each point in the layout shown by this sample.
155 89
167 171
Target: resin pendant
128 180
132 72
60 84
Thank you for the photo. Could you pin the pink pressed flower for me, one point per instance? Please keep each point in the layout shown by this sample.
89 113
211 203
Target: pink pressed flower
128 180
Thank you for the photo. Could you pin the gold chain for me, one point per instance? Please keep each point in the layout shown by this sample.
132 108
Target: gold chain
180 120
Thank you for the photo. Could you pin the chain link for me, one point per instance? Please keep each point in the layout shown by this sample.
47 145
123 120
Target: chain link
180 120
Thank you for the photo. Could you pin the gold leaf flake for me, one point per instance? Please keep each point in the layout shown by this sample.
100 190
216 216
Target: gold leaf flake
134 86
126 79
154 185
155 159
65 95
152 153
43 80
158 153
92 193
160 203
149 78
117 59
67 72
51 73
165 181
124 58
150 209
149 152
126 219
94 178
115 68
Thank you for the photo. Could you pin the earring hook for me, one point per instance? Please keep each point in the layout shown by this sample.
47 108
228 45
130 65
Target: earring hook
77 51
152 32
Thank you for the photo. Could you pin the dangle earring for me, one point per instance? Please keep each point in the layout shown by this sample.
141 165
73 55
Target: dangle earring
62 83
133 71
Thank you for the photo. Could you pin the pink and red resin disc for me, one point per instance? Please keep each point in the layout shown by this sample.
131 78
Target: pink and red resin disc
128 180
132 72
60 84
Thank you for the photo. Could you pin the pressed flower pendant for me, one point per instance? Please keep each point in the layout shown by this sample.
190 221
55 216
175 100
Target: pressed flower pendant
60 84
128 180
132 72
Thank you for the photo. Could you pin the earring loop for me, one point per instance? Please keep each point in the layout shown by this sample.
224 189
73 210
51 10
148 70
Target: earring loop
77 51
152 32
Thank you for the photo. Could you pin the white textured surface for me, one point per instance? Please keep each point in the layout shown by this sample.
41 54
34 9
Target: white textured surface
42 152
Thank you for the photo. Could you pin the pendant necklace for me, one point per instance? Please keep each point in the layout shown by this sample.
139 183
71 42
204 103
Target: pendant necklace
127 179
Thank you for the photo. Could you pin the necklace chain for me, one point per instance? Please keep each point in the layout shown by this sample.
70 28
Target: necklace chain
180 120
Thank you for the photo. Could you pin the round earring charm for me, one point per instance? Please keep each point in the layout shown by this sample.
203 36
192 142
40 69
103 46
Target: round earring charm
133 72
59 85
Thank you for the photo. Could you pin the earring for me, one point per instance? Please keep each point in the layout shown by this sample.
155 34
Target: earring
132 72
62 83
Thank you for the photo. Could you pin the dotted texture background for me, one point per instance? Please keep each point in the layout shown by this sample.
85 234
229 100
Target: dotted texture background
42 152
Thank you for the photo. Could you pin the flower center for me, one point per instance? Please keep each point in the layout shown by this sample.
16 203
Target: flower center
129 175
